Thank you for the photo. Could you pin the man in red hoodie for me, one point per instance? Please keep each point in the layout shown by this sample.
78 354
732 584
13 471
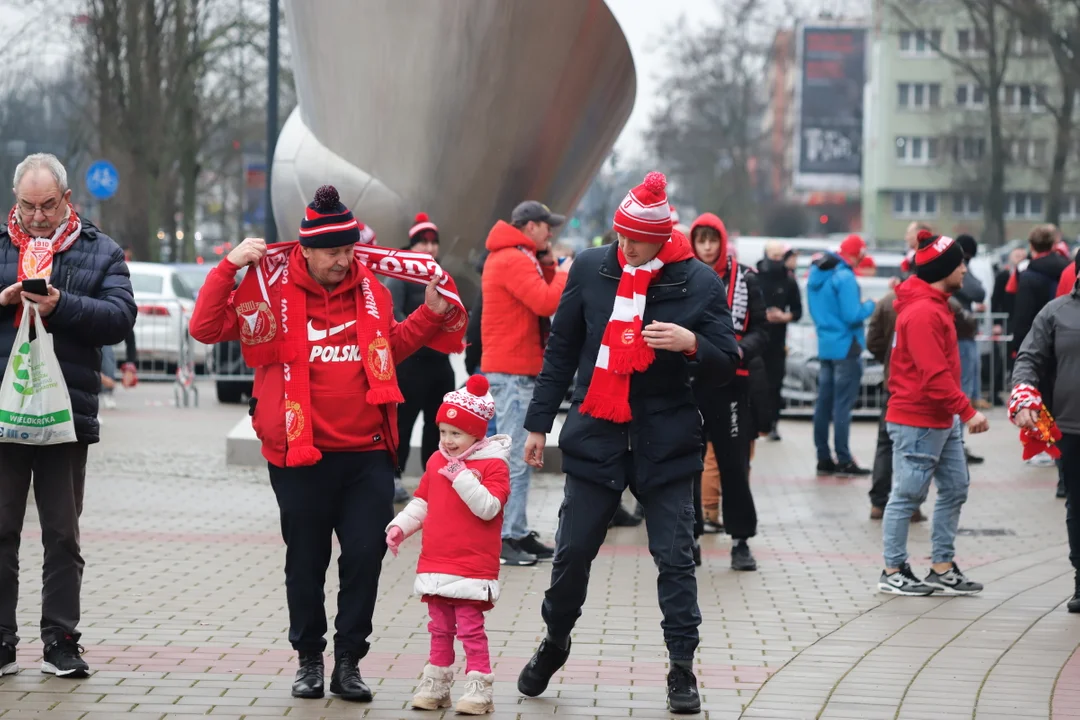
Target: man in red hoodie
320 330
926 408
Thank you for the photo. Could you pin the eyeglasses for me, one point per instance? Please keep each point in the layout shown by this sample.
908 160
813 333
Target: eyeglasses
47 208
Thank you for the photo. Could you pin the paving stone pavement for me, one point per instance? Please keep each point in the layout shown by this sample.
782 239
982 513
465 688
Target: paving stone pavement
184 603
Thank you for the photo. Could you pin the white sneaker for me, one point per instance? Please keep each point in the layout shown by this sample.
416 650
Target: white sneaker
108 402
479 695
1041 460
434 690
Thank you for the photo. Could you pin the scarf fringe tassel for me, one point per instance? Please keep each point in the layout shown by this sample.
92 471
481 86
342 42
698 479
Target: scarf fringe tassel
605 407
302 456
636 359
384 395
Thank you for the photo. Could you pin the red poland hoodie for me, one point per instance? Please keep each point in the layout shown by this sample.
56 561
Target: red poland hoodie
342 420
924 368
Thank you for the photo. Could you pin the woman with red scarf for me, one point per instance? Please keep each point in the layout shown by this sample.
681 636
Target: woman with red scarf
729 425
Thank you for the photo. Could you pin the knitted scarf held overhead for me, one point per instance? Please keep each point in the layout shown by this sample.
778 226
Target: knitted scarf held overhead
273 311
622 350
36 254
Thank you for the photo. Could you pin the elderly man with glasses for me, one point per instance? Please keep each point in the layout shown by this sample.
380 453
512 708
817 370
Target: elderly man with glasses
87 304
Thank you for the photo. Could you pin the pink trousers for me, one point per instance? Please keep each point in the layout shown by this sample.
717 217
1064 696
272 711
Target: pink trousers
467 623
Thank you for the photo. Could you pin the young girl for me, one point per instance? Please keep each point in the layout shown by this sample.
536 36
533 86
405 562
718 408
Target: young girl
459 504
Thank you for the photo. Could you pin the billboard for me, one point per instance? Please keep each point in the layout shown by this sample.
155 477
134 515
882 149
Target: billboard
829 108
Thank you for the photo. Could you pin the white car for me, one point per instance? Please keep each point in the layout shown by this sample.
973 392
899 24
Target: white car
165 303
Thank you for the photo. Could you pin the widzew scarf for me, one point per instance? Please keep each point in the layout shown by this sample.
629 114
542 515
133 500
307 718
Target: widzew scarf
36 254
273 313
738 296
622 349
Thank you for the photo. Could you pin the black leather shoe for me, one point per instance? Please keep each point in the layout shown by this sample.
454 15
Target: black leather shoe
309 678
536 675
682 692
742 558
346 681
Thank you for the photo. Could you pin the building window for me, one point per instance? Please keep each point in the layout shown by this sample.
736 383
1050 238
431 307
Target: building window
1027 46
1023 97
1070 207
919 96
970 96
1023 206
919 42
970 42
917 150
915 204
968 149
967 205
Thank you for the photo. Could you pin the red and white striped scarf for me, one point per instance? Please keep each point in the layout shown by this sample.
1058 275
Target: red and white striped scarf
622 349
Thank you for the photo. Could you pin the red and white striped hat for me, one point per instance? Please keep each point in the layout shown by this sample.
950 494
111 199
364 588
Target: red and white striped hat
644 215
422 223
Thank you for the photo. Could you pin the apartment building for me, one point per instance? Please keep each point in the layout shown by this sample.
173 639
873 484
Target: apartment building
926 152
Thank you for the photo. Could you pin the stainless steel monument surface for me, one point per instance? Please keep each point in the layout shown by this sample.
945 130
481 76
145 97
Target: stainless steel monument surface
457 108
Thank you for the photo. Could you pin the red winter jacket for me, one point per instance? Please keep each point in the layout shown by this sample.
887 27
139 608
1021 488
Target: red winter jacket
462 522
342 419
1068 280
924 367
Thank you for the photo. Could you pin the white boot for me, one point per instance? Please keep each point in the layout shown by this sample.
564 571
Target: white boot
434 690
479 695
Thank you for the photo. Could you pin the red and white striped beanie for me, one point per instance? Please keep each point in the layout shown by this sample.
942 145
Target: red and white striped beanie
644 215
422 223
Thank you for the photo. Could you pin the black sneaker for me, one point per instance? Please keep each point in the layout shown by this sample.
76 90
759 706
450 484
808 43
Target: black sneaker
310 677
682 692
974 459
512 554
851 469
741 558
8 666
531 545
774 436
346 681
712 527
903 582
623 518
63 658
826 467
1060 493
952 582
547 660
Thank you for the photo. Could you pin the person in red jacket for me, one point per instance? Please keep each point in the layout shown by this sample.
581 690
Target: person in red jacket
319 329
460 506
926 408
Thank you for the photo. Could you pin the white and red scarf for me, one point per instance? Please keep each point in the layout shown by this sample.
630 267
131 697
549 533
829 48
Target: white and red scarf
36 254
622 349
738 297
1046 434
272 312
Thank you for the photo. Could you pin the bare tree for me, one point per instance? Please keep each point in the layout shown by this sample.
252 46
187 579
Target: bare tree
995 29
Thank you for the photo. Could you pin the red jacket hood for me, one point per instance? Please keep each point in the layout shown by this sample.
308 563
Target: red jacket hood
914 290
714 222
504 235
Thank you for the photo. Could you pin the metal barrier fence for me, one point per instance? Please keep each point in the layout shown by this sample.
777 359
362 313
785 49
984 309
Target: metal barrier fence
164 348
800 389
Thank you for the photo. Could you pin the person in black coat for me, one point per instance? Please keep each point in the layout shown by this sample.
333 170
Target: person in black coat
783 305
653 446
1035 281
726 407
89 304
425 376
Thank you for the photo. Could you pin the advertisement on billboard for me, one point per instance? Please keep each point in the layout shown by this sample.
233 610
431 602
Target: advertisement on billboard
829 108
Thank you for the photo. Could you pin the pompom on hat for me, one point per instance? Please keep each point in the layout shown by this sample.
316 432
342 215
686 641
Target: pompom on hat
469 409
420 224
936 257
327 223
644 214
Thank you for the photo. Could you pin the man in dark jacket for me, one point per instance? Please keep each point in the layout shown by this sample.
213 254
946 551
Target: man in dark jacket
725 407
425 376
88 304
1035 281
783 305
635 427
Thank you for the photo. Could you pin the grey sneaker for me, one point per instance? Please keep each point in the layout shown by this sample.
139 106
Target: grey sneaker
401 495
952 582
903 582
513 555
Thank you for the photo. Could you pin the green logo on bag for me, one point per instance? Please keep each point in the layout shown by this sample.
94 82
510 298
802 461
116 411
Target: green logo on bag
25 387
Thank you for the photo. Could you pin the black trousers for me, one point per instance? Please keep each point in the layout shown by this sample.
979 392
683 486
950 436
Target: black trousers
729 426
1070 467
775 367
423 381
350 494
58 473
586 510
881 478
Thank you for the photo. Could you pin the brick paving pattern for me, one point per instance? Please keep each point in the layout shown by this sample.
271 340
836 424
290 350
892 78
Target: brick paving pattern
184 604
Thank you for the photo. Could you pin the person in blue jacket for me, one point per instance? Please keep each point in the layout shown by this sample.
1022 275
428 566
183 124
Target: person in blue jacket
839 314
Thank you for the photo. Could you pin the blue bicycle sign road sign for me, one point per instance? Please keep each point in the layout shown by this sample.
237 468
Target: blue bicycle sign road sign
102 179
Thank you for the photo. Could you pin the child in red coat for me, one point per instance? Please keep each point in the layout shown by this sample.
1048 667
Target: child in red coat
460 506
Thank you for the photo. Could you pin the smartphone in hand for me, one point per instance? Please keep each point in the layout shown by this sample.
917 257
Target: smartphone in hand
35 286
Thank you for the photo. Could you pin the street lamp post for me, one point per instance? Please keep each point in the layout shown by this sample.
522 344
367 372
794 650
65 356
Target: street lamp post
270 230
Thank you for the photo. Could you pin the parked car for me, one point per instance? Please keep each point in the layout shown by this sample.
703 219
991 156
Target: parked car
800 381
194 274
165 303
